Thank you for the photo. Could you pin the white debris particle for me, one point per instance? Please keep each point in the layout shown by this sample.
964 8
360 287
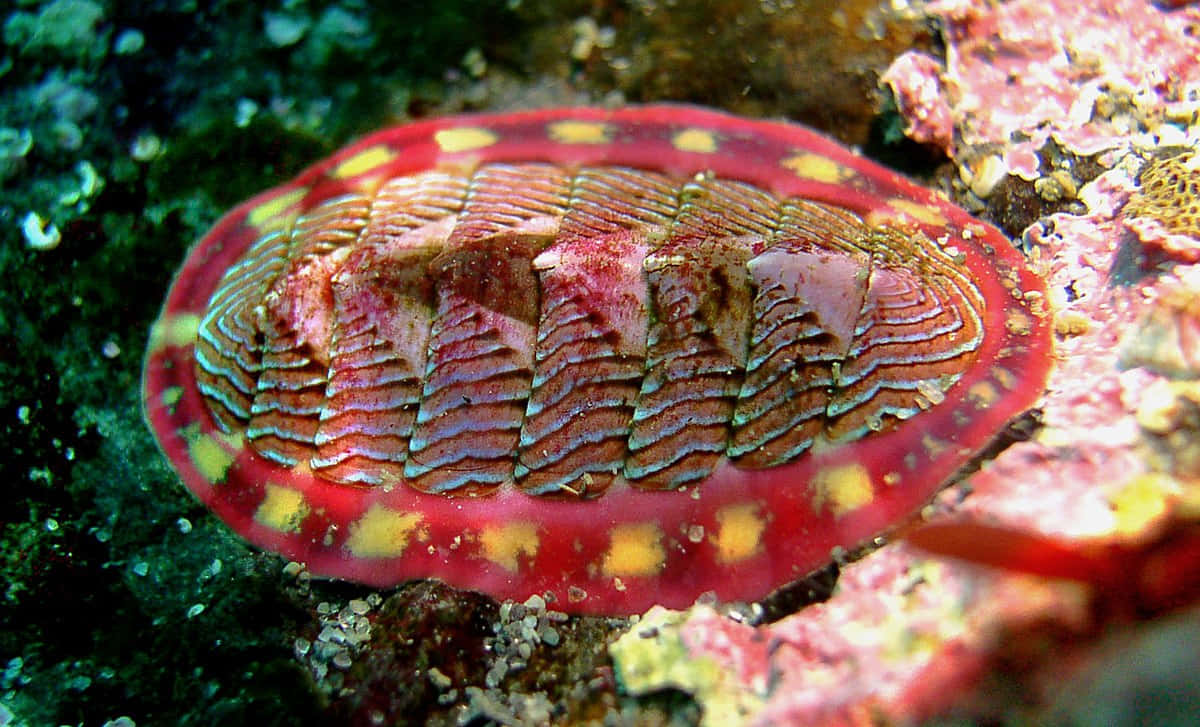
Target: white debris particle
40 234
145 147
245 112
474 63
130 41
110 349
345 631
283 29
990 171
931 391
14 143
67 134
496 674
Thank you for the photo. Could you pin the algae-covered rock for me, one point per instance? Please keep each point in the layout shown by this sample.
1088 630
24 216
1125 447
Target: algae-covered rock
67 27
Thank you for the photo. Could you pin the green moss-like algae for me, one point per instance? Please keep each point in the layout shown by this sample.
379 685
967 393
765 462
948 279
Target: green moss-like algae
122 596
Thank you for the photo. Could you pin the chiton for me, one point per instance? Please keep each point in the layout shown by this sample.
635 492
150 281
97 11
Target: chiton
616 357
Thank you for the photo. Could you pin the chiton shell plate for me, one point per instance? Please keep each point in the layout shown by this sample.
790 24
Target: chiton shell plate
615 357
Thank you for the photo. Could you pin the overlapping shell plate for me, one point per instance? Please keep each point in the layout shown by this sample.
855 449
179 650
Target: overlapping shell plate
617 357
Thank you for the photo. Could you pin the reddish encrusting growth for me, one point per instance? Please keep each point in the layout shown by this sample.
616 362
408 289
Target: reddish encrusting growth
617 357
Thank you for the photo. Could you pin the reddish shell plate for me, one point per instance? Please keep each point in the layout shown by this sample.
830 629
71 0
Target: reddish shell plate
615 357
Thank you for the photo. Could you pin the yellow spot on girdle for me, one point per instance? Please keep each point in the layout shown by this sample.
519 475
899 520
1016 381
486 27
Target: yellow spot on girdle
175 330
580 132
465 138
739 532
381 532
1019 324
928 214
1004 377
843 488
695 140
635 550
502 544
817 168
171 395
934 447
283 509
364 161
983 394
273 207
211 457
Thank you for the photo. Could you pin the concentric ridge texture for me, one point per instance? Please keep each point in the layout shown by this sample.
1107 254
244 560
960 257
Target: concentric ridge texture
560 331
617 357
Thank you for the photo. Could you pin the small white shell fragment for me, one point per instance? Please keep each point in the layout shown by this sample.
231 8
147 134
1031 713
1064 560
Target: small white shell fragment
40 234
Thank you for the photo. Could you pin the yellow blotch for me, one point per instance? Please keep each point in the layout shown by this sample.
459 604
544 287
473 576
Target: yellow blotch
464 138
580 132
175 330
1018 324
1005 377
983 394
1142 502
635 549
382 533
695 140
211 459
934 447
364 161
928 214
274 207
283 509
1072 323
843 488
817 168
171 396
503 544
739 532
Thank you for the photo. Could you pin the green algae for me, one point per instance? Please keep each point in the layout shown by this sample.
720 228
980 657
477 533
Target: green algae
122 597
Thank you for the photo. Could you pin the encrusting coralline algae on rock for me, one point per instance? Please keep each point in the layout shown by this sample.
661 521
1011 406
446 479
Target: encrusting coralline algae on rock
1107 491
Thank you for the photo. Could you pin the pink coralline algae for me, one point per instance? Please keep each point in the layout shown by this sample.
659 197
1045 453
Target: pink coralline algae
1093 519
1088 73
915 80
